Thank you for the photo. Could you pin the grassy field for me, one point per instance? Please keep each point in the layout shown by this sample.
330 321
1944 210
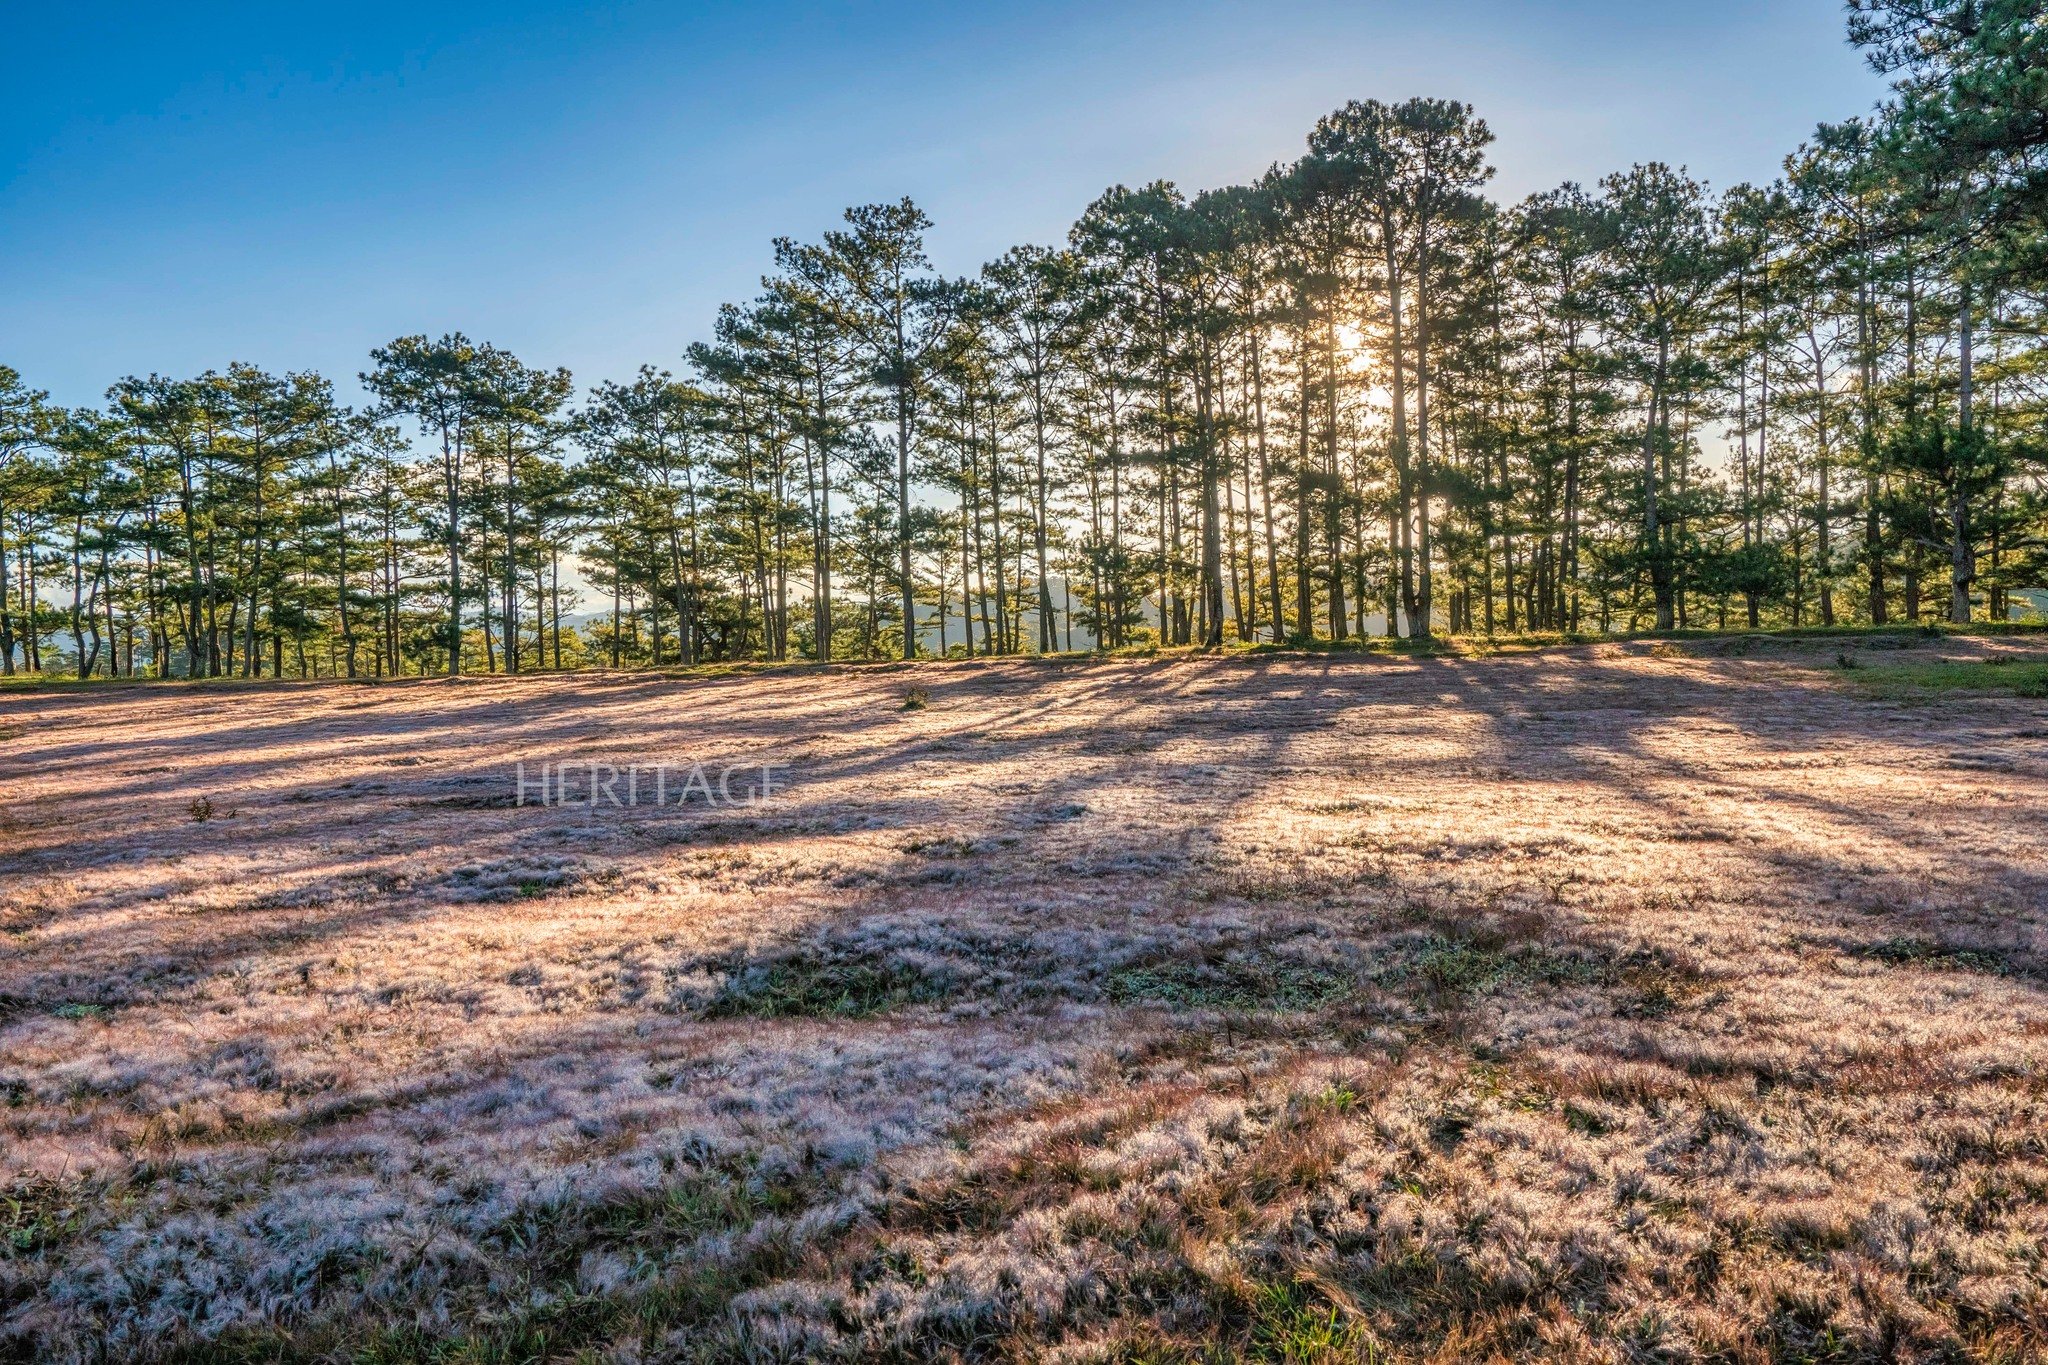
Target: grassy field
1648 1001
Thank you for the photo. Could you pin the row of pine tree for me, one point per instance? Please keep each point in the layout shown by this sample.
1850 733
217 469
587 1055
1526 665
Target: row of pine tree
1356 397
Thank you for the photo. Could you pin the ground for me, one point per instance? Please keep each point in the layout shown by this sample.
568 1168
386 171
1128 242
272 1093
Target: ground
1618 1002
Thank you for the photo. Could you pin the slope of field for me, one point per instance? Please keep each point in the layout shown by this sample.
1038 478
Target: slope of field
1618 1003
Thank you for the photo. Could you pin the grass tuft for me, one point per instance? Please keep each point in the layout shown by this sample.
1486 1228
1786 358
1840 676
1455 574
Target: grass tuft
1248 985
1907 951
1466 966
824 983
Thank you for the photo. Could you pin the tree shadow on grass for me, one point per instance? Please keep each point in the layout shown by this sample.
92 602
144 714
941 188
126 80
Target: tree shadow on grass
1027 824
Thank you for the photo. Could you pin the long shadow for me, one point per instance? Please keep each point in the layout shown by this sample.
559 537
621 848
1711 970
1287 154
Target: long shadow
1185 708
1033 754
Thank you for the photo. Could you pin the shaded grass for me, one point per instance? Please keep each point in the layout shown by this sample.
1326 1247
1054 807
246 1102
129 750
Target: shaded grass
686 1277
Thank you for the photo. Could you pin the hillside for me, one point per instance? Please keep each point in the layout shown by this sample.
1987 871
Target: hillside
1616 1002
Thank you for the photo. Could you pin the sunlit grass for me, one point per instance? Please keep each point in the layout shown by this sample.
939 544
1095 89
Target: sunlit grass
1441 644
1197 1007
1923 677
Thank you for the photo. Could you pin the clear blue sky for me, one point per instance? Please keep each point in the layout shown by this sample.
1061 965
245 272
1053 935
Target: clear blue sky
292 183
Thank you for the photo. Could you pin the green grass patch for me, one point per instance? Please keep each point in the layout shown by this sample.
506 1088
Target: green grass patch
1921 678
821 983
1270 984
38 1212
35 1214
51 682
1469 967
1733 639
1907 951
1292 1323
1253 1318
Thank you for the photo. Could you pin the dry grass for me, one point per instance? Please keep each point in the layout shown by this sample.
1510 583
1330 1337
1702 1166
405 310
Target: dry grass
1617 1003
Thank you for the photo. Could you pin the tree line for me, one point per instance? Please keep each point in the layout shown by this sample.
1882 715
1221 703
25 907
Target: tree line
1356 396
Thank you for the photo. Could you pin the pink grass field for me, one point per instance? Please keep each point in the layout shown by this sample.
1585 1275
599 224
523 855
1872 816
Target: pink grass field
1623 1002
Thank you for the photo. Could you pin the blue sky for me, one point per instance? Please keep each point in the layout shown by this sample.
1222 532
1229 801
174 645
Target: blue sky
291 184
